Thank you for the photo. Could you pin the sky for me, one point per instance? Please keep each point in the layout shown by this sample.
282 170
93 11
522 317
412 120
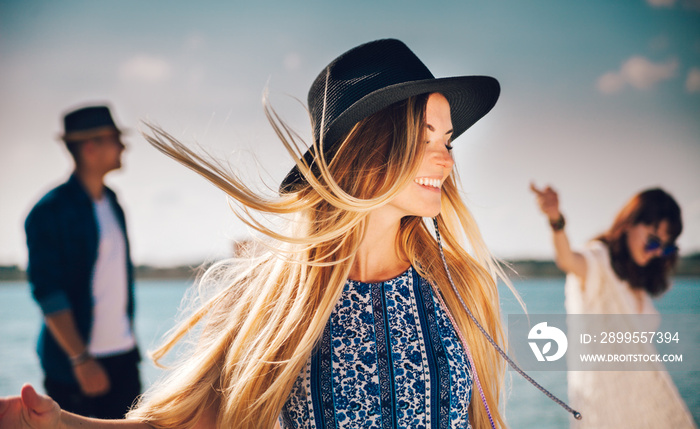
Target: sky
600 99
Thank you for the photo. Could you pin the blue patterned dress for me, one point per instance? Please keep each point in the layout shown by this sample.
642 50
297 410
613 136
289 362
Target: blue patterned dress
389 358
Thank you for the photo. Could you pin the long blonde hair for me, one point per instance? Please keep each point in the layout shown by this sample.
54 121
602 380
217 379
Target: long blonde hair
257 332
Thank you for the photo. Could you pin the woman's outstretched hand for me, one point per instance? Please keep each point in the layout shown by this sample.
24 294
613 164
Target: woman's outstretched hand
29 410
548 200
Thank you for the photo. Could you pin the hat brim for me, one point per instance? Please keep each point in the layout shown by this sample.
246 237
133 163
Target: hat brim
78 136
470 98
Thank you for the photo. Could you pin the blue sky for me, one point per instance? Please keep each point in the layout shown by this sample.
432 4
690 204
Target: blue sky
601 99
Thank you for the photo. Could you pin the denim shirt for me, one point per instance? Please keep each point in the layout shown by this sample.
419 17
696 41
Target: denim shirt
63 240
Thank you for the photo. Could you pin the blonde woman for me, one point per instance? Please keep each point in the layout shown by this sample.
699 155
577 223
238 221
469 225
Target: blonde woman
353 316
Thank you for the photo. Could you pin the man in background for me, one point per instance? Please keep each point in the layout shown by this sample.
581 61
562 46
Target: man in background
81 276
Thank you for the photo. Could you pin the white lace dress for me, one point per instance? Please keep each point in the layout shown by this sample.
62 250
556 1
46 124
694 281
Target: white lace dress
618 399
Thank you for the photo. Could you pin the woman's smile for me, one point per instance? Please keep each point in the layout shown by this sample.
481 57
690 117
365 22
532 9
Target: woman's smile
431 183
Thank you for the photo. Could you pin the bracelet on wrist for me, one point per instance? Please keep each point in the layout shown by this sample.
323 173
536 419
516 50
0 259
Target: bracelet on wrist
80 358
558 225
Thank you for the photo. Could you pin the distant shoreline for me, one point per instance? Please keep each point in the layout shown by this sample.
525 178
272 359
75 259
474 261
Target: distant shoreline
688 266
141 272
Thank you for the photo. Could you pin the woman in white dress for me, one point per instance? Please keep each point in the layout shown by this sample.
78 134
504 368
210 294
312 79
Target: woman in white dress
618 273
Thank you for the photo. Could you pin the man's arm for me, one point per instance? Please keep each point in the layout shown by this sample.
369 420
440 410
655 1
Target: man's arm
91 376
46 273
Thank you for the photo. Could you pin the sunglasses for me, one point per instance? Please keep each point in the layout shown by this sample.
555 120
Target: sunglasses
653 243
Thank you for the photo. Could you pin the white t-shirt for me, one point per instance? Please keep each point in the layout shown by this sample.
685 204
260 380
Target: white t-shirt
111 331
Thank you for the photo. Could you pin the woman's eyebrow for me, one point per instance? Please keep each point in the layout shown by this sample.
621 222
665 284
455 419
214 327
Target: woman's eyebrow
432 128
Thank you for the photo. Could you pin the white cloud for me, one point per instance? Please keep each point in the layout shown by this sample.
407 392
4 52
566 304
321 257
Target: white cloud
637 72
643 74
692 83
145 68
661 3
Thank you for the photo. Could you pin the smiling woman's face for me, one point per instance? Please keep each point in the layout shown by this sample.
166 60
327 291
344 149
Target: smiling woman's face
422 196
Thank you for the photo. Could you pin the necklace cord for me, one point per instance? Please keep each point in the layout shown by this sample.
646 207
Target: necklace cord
577 415
469 356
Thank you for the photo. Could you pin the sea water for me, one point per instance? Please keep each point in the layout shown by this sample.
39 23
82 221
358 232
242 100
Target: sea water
157 309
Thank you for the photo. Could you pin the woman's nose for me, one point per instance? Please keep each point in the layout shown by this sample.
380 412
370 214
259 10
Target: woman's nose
442 156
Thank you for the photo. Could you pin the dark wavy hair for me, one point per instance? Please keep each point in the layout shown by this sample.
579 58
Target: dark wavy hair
649 207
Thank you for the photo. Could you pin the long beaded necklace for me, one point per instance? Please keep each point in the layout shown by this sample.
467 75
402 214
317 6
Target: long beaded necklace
513 365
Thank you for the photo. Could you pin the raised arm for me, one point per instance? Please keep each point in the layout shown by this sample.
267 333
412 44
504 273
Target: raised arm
31 410
566 259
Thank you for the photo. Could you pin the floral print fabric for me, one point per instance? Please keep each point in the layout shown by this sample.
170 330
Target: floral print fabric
389 358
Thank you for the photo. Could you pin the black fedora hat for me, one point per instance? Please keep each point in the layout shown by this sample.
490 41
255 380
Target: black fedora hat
371 77
87 122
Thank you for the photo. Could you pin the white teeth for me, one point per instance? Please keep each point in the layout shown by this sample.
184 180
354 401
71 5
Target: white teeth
435 183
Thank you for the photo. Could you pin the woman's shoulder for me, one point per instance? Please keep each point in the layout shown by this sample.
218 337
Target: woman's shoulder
598 268
597 252
596 246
